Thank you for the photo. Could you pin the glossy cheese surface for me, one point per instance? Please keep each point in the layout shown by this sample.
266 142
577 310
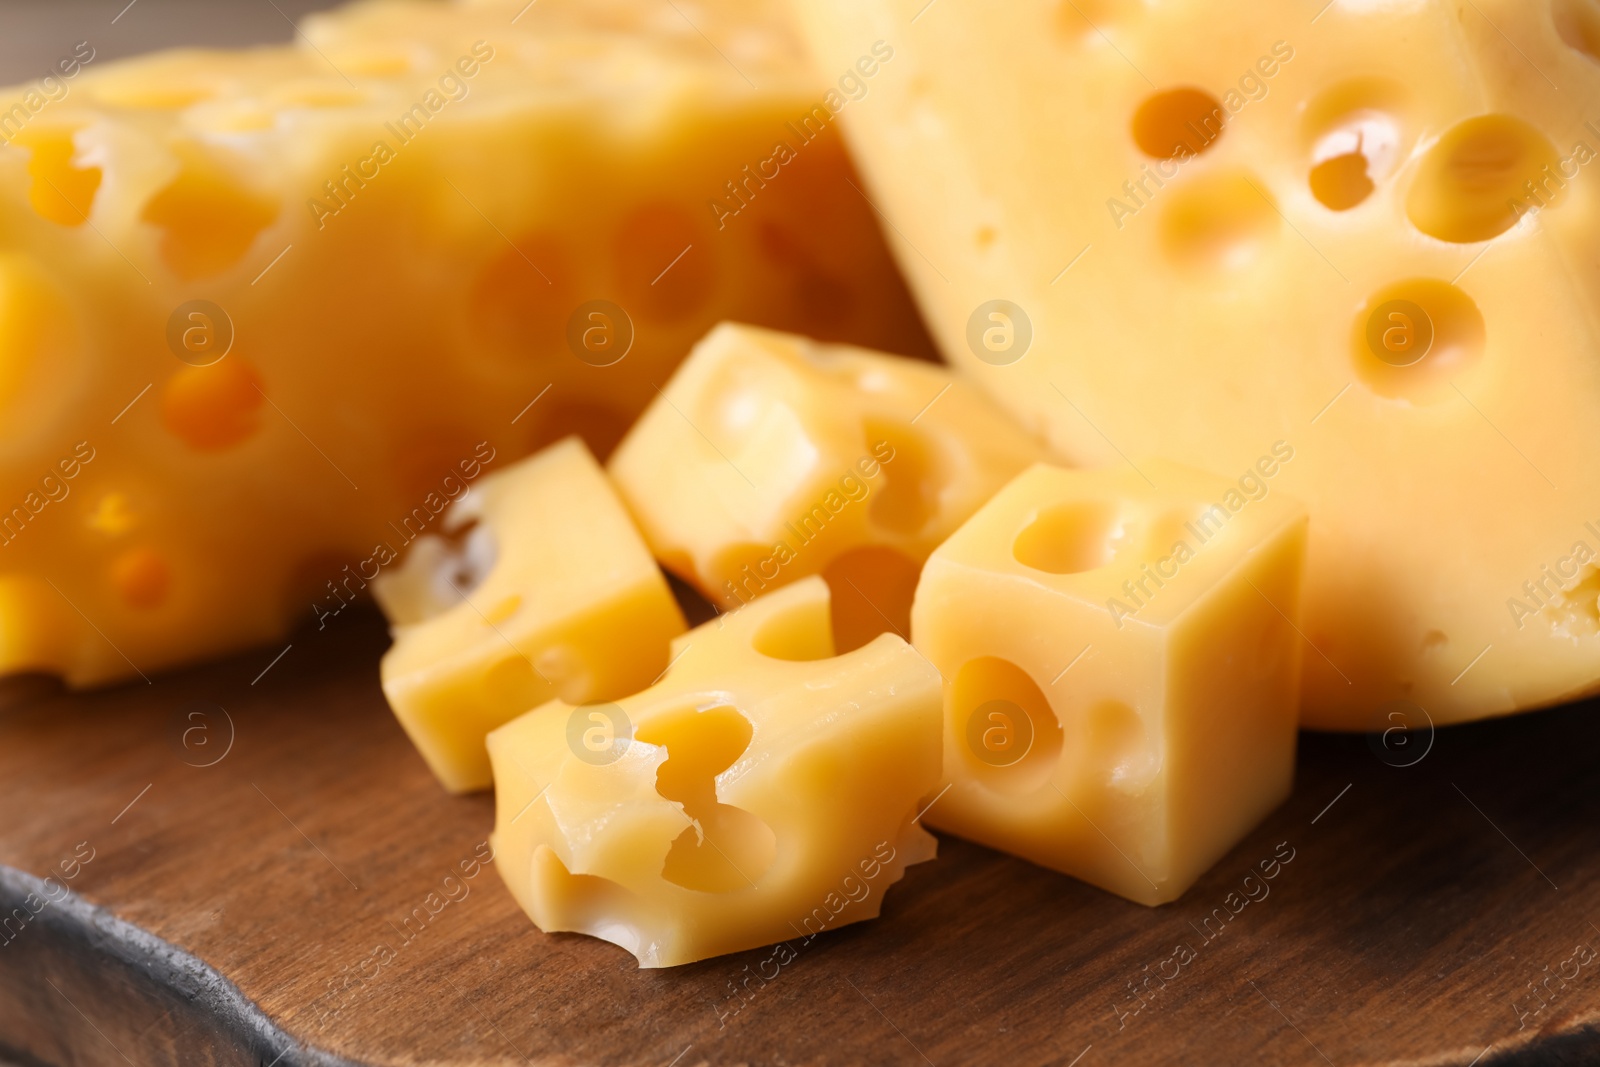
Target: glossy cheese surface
1121 667
279 295
762 791
1366 229
539 588
769 457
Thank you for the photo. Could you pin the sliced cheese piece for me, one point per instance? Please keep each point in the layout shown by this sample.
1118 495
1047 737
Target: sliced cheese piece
768 458
549 591
281 293
1364 228
1121 669
762 791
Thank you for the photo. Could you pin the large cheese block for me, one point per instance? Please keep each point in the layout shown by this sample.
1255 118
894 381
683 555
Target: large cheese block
256 307
1368 230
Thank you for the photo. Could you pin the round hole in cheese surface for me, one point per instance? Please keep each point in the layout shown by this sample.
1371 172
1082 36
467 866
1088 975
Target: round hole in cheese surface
1178 123
1578 23
1481 177
1071 538
1219 221
1413 338
142 577
214 407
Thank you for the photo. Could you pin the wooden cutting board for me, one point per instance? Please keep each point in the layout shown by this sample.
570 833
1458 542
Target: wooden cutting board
249 865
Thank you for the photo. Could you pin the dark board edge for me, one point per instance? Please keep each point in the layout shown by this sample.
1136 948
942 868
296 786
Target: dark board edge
79 985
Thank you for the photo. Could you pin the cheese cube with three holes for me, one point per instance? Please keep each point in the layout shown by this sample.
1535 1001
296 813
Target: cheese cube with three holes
764 790
541 588
768 458
258 308
1367 227
1120 669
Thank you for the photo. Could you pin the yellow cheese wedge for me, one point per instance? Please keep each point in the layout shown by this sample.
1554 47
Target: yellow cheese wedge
768 458
1367 229
280 294
546 591
1121 669
763 791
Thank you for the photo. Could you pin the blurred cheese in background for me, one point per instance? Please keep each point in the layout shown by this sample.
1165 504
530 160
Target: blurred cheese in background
260 309
1366 230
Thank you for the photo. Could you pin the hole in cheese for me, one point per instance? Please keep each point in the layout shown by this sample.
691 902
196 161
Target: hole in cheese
664 264
1013 711
797 635
41 347
214 407
871 590
1410 312
521 298
1356 132
61 192
1469 185
1071 538
1578 23
1342 182
209 220
368 61
908 494
1119 748
1178 123
317 93
148 93
726 848
1218 221
141 577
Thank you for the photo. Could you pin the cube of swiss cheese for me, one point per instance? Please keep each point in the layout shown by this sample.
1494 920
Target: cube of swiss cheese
1120 660
769 457
763 791
551 593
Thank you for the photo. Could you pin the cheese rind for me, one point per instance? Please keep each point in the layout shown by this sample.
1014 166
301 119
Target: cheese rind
769 457
566 602
762 791
395 219
1121 665
1437 153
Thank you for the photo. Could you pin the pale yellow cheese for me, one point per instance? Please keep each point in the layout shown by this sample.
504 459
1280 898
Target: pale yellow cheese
763 791
1121 668
1203 302
419 228
545 590
768 457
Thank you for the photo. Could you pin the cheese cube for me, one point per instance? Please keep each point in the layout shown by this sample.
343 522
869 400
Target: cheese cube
1120 663
279 294
763 791
548 591
1366 228
768 458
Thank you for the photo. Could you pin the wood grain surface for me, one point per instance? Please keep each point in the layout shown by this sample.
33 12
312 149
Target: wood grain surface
278 828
